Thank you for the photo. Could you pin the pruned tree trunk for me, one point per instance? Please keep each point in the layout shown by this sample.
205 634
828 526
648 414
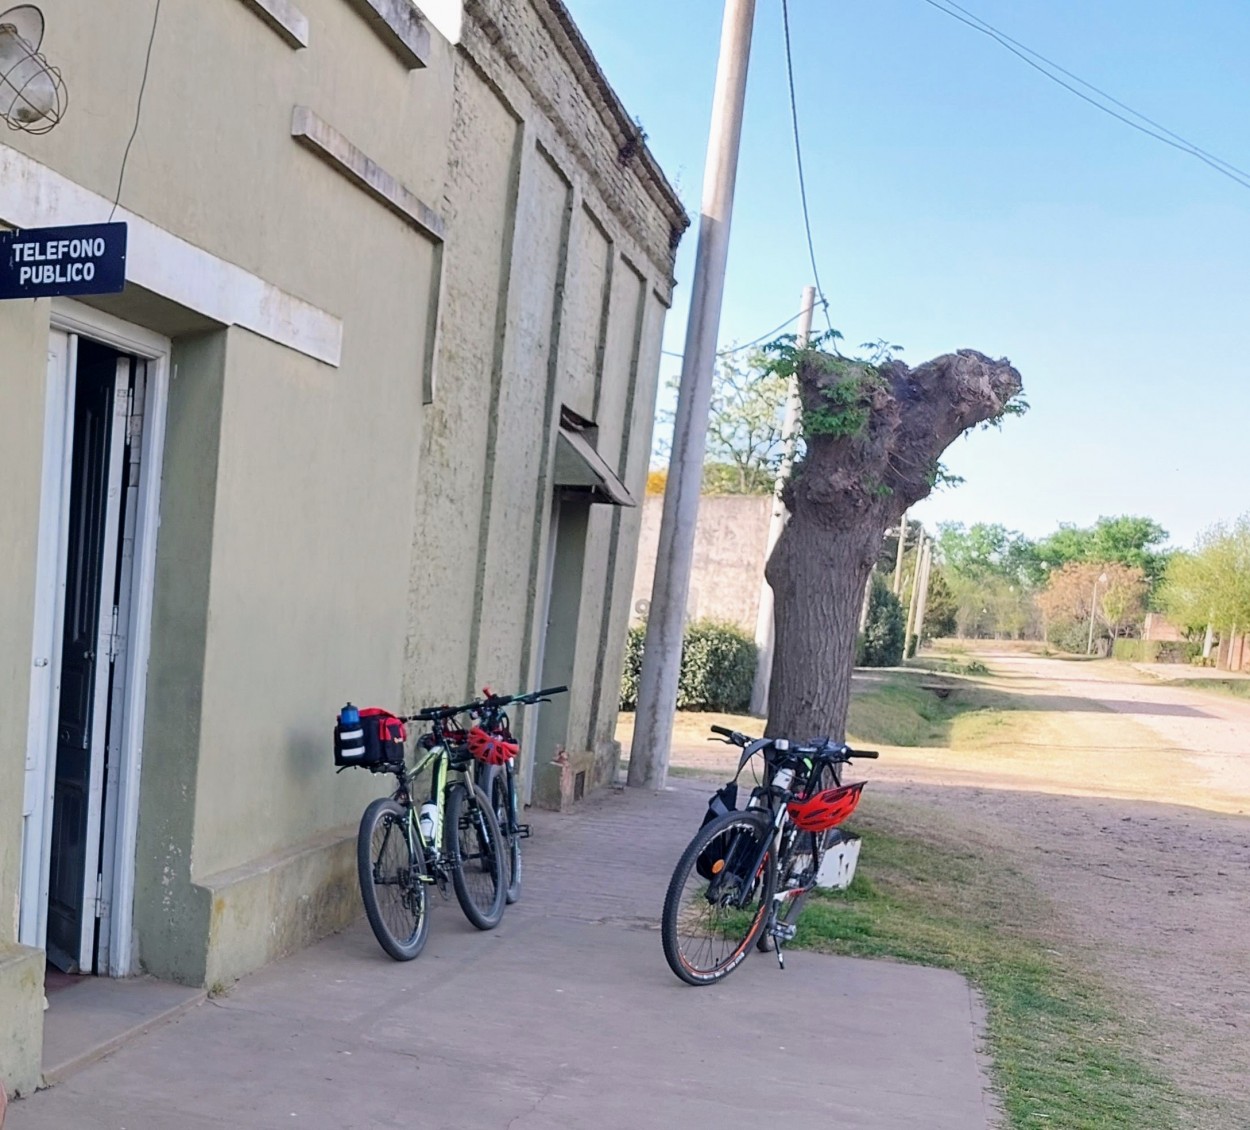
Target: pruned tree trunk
846 492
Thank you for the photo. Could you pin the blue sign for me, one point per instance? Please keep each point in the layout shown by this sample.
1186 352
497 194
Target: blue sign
46 262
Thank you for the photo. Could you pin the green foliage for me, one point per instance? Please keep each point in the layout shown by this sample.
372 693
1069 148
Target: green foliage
744 440
728 478
717 667
940 610
1128 540
1212 584
633 666
882 642
986 550
1068 635
845 409
1156 651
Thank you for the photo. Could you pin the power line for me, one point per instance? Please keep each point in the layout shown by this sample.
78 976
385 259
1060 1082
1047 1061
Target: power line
798 157
143 85
1022 52
754 341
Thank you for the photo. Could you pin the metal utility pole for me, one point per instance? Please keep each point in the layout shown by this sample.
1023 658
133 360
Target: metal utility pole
789 441
661 661
898 558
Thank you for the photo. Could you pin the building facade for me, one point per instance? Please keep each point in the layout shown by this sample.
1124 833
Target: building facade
367 422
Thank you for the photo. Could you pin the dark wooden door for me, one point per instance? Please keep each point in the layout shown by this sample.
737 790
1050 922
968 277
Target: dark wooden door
81 666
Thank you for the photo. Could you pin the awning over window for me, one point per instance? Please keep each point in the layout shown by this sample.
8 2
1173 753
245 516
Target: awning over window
580 467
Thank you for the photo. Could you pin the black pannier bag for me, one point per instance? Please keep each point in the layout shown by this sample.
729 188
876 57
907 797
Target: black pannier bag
723 801
375 741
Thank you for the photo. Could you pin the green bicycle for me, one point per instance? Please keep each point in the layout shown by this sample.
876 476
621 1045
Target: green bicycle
403 850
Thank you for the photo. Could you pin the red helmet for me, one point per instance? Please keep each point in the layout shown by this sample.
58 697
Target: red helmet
826 809
490 748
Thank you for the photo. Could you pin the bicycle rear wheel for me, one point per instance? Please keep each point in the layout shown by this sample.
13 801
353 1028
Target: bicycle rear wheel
501 802
714 910
388 864
475 850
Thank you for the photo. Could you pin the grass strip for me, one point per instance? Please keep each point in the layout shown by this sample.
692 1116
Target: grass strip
1062 1056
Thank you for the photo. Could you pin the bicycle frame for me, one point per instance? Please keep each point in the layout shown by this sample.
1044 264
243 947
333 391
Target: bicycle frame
776 802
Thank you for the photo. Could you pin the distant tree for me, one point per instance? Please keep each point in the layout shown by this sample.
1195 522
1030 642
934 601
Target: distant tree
989 550
744 445
657 480
1139 542
1076 590
1212 584
941 608
882 643
991 572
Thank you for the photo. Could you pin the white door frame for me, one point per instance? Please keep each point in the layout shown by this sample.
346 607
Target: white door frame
73 318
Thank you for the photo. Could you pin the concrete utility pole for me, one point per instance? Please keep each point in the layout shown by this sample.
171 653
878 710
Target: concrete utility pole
863 608
922 578
921 546
789 441
898 558
661 660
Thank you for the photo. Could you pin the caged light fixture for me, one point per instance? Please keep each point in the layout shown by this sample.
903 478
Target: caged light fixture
33 97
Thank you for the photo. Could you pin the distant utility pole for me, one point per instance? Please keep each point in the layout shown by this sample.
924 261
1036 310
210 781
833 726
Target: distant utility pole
922 578
789 441
898 557
921 547
661 659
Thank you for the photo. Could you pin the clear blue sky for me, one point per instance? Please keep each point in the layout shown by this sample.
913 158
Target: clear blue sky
960 199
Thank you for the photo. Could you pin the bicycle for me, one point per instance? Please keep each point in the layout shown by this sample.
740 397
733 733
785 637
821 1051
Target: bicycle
401 853
495 775
744 877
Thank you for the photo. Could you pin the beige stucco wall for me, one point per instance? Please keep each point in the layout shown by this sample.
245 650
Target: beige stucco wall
325 532
729 546
23 358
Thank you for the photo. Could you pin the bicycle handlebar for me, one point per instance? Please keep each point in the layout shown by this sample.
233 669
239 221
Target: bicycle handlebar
821 745
490 702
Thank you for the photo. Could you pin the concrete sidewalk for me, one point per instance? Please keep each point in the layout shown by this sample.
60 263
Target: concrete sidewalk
565 1016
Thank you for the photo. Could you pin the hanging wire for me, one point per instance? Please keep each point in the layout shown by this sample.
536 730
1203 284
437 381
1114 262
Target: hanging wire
1158 132
798 158
143 85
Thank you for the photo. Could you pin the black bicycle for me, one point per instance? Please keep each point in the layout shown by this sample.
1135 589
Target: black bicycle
402 851
496 774
744 877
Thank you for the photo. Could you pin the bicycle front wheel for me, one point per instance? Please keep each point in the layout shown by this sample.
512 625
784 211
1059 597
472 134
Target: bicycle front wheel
388 864
718 899
501 802
475 851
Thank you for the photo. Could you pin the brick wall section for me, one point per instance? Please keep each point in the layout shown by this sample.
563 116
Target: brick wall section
531 51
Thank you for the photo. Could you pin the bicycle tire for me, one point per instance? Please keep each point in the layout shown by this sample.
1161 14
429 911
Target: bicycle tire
396 904
496 788
475 851
688 931
804 843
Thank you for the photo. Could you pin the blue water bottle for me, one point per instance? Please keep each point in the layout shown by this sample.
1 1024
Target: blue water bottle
351 737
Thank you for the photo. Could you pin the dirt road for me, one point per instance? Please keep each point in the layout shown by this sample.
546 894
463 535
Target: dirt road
1158 889
1126 801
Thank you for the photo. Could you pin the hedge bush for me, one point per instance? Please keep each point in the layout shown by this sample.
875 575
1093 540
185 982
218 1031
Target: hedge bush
717 667
881 644
1157 651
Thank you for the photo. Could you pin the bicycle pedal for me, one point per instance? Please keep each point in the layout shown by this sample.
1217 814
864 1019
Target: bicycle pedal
783 931
523 831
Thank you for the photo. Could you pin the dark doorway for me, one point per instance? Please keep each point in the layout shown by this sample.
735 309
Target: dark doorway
95 515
